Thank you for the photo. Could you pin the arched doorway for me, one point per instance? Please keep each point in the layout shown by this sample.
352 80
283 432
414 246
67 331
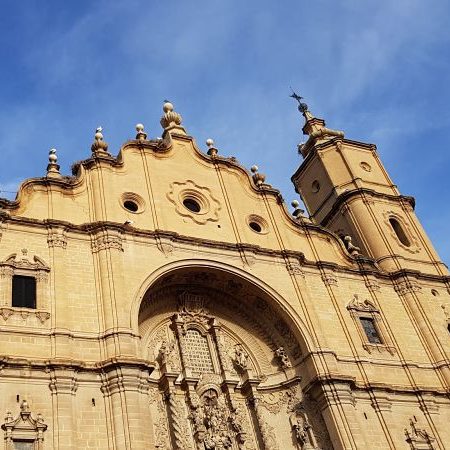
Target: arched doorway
228 366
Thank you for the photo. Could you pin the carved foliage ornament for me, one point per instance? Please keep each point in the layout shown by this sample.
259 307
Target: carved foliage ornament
294 268
107 240
329 279
407 286
192 309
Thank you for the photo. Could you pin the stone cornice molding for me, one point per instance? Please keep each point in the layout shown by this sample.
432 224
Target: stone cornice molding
71 367
331 144
360 264
320 383
120 376
361 192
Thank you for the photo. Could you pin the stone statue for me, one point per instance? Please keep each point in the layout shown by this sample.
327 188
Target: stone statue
280 352
240 357
303 433
352 249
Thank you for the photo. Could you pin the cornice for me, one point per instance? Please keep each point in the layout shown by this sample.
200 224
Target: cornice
360 264
345 197
319 381
8 362
324 145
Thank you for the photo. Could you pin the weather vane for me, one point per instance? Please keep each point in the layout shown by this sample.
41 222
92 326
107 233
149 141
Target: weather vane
302 107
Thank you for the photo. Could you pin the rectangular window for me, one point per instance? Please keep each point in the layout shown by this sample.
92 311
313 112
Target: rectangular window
371 331
24 291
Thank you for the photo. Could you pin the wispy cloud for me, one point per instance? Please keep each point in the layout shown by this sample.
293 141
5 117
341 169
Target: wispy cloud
377 69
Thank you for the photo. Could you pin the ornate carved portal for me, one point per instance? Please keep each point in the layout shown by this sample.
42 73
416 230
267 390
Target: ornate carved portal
228 373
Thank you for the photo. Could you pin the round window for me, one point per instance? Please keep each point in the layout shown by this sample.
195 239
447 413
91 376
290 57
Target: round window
315 186
132 202
192 205
366 166
255 226
130 205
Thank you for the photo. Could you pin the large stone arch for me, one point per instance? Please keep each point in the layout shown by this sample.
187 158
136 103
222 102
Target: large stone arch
228 356
270 295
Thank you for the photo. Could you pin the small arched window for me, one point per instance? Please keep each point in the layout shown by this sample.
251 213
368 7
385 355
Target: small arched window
399 232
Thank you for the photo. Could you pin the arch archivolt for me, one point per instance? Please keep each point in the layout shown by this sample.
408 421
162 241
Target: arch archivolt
228 366
233 274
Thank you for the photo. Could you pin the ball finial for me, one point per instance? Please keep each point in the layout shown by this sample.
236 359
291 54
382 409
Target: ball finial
295 204
167 107
209 142
254 169
52 156
98 133
139 127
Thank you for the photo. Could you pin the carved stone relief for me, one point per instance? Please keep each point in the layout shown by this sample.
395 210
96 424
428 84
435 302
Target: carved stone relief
24 426
161 426
418 438
221 340
208 205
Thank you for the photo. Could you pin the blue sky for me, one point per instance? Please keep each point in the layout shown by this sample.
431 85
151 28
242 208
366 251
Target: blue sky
379 70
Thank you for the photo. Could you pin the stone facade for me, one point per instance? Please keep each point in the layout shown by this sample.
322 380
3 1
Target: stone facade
179 305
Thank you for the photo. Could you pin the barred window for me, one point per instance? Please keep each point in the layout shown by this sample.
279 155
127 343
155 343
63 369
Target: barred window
198 356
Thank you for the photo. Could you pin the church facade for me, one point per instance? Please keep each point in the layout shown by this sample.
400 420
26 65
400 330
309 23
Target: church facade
167 298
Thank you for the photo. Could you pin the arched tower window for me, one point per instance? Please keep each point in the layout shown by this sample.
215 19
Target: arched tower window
399 232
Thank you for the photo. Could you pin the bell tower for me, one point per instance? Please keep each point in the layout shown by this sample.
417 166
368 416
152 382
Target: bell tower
346 189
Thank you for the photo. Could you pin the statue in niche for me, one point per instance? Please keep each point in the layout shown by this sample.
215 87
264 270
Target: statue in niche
167 354
240 357
217 435
303 431
237 421
280 352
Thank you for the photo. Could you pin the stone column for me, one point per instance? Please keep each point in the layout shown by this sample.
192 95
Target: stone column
178 420
107 249
410 292
336 398
63 386
125 386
